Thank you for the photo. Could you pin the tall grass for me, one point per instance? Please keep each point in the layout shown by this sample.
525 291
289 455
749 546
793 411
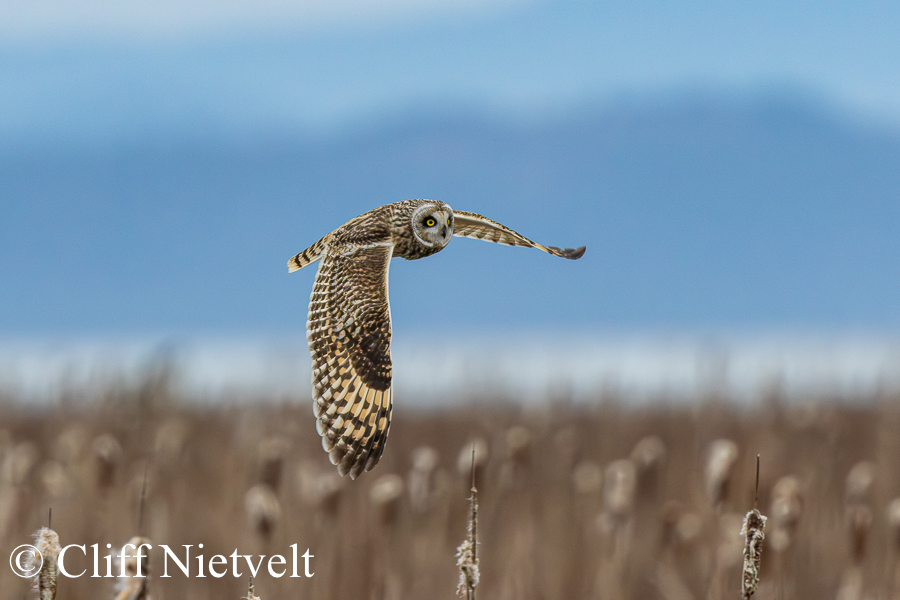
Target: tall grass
575 501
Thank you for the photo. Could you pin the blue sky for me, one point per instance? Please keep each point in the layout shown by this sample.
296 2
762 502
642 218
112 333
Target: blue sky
728 164
90 69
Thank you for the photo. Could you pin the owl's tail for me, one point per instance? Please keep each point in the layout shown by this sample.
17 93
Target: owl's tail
308 256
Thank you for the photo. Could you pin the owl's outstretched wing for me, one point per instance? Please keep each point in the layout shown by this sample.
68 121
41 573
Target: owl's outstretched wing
349 333
472 225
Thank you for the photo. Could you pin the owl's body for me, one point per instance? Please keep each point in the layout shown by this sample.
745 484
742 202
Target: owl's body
349 326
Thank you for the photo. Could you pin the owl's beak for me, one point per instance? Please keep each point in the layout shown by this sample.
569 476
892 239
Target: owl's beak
444 231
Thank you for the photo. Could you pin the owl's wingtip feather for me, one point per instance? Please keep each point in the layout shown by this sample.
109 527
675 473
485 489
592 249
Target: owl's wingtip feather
574 253
570 253
356 470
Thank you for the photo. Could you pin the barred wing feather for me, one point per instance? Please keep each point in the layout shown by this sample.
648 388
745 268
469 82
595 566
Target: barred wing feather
472 225
349 333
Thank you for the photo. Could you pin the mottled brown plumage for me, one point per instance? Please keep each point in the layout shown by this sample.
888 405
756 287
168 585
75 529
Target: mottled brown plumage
349 326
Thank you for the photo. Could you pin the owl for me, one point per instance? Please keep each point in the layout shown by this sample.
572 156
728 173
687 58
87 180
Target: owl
349 324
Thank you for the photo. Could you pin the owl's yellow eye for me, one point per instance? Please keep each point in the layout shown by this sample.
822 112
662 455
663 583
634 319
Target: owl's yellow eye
429 222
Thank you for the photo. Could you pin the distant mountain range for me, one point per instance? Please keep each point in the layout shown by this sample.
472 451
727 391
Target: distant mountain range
698 213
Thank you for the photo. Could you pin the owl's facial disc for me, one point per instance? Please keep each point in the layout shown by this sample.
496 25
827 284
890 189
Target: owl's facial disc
433 225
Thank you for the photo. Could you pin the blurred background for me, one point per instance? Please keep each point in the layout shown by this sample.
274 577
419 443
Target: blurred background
733 169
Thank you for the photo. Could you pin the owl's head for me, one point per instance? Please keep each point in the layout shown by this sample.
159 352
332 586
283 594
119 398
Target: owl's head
432 224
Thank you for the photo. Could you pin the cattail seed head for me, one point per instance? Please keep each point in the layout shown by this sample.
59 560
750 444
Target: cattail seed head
170 441
468 569
689 527
754 533
858 511
385 495
649 457
852 585
680 525
518 442
587 477
107 455
271 453
56 480
518 455
860 482
893 521
47 542
133 561
18 462
467 552
321 489
263 509
425 461
619 483
722 456
649 452
69 446
785 511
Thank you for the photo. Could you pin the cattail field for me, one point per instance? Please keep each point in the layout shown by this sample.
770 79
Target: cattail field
588 500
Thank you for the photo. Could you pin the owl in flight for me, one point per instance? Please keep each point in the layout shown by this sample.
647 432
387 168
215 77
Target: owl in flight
349 325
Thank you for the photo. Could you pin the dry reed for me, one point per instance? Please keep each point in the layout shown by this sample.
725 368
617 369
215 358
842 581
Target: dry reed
464 464
467 552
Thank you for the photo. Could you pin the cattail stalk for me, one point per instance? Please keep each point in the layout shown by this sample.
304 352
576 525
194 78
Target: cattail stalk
251 592
467 553
754 533
47 543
